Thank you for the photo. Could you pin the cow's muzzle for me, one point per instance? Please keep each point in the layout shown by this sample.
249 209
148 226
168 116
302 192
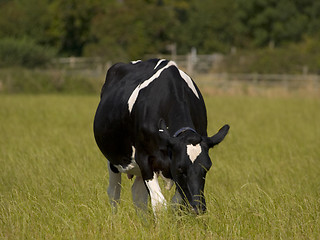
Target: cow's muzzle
199 205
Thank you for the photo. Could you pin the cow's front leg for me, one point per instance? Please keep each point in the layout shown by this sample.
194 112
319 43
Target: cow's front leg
150 179
157 199
176 199
114 187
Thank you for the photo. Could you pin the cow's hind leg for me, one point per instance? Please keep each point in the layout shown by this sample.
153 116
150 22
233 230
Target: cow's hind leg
139 193
114 187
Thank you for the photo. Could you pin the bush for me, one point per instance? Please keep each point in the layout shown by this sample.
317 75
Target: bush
23 52
39 81
297 58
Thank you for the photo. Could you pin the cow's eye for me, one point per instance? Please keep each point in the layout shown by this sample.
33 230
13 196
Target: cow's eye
182 172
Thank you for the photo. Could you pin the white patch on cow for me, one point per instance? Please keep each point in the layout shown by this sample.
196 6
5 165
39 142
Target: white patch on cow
132 168
135 62
189 82
157 199
135 93
193 151
133 153
159 62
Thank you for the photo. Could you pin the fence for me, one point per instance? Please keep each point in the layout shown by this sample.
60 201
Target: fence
259 84
199 67
94 67
191 63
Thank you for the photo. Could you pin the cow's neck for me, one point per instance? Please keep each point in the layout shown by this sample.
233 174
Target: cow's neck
179 118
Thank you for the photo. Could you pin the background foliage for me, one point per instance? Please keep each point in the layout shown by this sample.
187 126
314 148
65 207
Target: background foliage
24 52
129 29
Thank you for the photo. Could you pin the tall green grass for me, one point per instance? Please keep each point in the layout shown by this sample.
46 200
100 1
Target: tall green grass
264 183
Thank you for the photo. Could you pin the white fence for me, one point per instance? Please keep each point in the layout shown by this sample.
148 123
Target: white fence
199 67
261 84
191 63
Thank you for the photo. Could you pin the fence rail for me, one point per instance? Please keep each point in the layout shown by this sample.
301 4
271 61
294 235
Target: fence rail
198 66
256 78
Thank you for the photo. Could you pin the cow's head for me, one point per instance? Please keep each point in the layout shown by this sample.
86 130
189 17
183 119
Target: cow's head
190 162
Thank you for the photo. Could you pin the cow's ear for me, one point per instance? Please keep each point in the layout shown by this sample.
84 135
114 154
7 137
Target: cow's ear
219 136
164 133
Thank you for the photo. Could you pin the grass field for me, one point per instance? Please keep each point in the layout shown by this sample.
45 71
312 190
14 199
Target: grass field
264 183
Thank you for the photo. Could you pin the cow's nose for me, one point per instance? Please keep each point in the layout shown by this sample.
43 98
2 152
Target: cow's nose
203 208
199 209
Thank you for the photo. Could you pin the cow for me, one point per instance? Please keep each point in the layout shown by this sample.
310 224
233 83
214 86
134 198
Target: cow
151 121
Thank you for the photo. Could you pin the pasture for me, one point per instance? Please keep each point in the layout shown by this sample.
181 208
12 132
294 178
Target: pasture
264 183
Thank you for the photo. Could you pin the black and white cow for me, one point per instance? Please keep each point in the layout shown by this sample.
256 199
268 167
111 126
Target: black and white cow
152 120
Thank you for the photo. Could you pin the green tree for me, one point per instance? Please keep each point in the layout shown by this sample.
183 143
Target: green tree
70 26
276 21
24 18
209 26
130 29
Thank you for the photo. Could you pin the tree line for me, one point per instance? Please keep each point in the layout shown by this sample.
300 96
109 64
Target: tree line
130 29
